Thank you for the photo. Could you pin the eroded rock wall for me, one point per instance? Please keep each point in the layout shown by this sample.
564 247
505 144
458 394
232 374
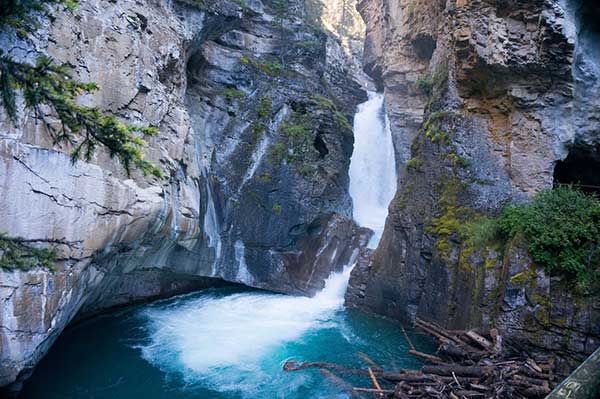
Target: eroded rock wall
484 100
243 199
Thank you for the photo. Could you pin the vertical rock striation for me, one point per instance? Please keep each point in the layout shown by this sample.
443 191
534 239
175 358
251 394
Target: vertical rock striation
252 104
486 99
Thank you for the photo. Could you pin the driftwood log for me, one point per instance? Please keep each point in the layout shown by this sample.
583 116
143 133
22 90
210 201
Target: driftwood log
468 364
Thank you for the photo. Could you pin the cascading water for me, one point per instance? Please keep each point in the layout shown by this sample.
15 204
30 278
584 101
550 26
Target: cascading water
372 166
229 343
236 342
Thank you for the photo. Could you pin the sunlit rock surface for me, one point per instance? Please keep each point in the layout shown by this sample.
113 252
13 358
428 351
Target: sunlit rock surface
514 94
228 209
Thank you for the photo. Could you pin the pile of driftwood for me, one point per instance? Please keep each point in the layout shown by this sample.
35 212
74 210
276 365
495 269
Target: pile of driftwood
467 364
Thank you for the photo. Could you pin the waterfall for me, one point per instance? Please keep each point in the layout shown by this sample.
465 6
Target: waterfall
238 341
230 342
372 166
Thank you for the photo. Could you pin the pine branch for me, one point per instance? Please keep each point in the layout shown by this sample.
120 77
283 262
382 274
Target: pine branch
15 253
47 83
20 14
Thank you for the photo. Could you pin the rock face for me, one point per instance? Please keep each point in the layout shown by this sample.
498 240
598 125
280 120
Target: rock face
255 152
488 101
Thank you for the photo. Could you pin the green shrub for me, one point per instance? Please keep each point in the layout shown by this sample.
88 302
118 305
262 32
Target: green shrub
433 128
263 177
342 121
306 170
299 128
425 85
324 103
278 152
414 163
16 253
480 232
269 68
435 84
562 230
457 160
276 209
264 107
233 94
257 131
17 13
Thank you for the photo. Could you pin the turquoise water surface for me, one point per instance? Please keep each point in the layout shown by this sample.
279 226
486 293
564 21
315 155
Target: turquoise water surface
219 343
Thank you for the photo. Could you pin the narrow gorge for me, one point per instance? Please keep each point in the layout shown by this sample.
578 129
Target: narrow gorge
195 194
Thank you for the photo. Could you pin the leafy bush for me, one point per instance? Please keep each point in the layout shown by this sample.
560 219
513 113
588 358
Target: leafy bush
306 170
272 69
480 232
299 129
434 85
414 163
324 103
257 131
233 94
433 128
264 107
562 230
342 121
278 151
425 85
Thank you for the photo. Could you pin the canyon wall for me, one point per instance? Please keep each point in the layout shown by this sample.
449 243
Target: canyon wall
488 101
252 104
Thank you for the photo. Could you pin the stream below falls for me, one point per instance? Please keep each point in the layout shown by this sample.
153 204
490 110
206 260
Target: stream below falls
220 343
232 342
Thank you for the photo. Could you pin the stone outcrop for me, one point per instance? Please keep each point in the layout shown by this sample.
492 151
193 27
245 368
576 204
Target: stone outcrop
252 108
485 99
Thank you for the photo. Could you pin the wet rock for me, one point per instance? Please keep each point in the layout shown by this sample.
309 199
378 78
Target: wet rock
500 91
229 208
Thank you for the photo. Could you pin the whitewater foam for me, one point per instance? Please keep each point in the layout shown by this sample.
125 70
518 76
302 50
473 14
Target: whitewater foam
228 342
373 179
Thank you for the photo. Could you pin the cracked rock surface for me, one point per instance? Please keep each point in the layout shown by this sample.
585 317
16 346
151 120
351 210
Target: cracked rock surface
515 91
232 208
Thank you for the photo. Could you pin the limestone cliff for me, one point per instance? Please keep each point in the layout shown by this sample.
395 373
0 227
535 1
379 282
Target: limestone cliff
252 107
490 102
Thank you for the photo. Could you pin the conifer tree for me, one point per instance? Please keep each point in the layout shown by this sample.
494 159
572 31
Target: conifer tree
47 83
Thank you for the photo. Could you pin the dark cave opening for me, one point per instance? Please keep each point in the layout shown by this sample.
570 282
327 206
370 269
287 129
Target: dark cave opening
320 145
581 169
424 46
589 14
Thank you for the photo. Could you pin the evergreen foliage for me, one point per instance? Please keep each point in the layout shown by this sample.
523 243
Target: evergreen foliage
16 254
47 83
17 13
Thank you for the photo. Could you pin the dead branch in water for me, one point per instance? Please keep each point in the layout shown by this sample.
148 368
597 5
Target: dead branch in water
470 365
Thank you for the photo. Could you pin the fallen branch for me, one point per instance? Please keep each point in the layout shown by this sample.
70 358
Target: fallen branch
371 390
462 370
413 351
